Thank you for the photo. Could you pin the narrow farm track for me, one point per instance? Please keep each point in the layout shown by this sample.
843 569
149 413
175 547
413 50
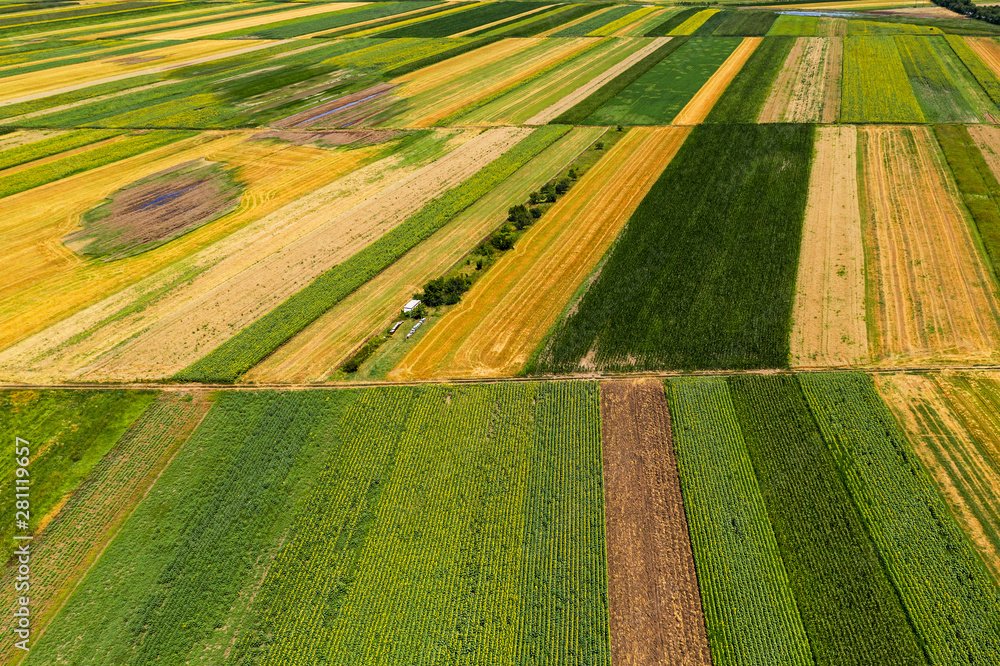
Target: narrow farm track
654 604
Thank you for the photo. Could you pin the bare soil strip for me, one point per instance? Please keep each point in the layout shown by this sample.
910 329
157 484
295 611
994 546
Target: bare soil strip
800 92
829 316
321 347
91 517
654 604
585 91
931 298
270 261
955 429
507 313
697 109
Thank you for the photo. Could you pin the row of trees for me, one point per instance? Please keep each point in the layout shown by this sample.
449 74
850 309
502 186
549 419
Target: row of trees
988 13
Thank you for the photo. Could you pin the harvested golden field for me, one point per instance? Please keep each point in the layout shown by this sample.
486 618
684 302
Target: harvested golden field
320 348
697 109
210 298
190 17
931 298
654 604
590 87
438 100
61 283
31 86
216 28
807 89
988 50
987 137
953 422
828 326
505 316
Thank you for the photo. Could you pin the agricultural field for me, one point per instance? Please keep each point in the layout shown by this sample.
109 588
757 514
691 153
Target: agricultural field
510 332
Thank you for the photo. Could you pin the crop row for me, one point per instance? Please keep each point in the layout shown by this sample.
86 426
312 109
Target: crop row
503 562
169 580
477 15
29 152
746 95
251 345
952 600
703 275
750 612
345 17
873 63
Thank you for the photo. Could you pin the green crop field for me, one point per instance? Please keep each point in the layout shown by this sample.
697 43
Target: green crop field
750 611
659 94
338 493
849 608
511 333
874 63
689 284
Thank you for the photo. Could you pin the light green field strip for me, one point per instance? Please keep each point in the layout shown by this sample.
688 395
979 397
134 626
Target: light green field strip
874 64
794 26
647 23
968 86
526 101
750 613
531 13
693 23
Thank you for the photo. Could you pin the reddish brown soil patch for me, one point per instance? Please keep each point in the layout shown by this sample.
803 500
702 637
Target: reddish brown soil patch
155 210
654 604
353 109
355 138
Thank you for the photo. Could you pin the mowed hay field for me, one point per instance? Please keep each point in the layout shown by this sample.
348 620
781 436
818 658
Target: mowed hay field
704 367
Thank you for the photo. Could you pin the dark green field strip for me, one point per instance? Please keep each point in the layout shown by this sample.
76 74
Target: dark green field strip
336 19
581 29
68 432
108 17
848 605
704 274
658 96
537 23
169 579
251 345
746 23
979 187
750 612
745 96
712 24
49 172
35 150
52 49
481 14
951 598
463 47
987 79
78 12
611 89
664 28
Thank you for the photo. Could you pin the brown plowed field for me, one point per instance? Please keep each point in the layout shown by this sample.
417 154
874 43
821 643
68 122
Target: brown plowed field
807 89
316 352
654 605
696 110
829 315
508 312
931 298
